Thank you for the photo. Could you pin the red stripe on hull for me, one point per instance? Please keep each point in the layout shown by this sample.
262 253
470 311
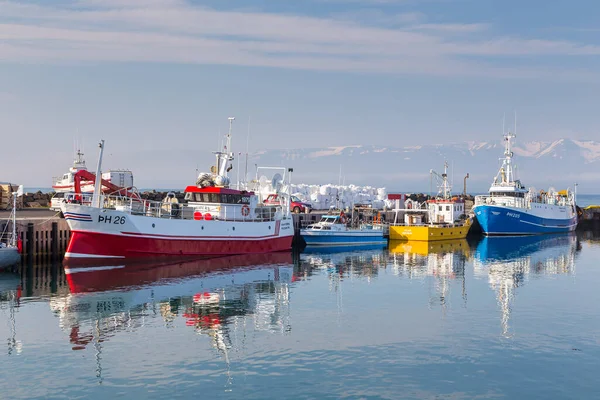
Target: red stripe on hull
97 244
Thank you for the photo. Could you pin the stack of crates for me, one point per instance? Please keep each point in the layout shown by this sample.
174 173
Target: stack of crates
6 199
5 196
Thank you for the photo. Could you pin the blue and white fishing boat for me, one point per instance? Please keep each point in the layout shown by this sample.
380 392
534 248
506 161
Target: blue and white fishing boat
511 209
332 230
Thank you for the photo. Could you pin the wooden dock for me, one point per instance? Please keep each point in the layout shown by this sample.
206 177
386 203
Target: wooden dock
589 219
41 239
45 236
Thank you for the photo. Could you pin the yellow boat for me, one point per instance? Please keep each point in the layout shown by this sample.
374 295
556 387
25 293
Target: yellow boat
442 218
430 232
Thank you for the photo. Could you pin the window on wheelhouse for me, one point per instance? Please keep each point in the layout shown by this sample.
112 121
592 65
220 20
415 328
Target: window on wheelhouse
221 198
508 194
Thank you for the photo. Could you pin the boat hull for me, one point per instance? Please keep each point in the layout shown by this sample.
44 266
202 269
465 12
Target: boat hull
502 220
116 235
343 238
429 232
9 256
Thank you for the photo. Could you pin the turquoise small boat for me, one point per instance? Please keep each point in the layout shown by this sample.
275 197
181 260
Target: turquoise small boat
332 230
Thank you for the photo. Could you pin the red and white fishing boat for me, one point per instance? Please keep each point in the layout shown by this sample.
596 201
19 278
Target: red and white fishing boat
216 220
66 182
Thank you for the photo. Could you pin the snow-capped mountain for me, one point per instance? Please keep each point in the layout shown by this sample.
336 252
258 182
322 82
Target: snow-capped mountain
557 164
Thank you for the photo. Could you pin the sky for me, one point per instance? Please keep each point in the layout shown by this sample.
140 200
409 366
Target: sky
155 77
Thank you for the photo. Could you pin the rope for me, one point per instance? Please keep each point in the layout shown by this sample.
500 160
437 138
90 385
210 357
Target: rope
44 221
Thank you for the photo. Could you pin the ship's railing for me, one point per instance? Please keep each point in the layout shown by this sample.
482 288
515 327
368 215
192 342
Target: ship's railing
454 224
175 210
360 225
518 202
523 202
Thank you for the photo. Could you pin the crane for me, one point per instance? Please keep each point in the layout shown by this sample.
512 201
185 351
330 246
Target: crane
444 187
84 175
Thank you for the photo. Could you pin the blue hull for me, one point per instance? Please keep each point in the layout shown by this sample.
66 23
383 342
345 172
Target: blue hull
497 220
343 239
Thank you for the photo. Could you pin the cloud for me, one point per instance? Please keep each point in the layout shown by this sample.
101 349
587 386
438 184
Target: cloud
456 28
175 31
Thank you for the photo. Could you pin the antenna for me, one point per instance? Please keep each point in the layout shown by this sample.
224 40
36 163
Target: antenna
515 123
247 147
219 140
238 170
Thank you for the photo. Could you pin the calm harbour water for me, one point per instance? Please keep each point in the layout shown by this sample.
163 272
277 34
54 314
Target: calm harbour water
494 318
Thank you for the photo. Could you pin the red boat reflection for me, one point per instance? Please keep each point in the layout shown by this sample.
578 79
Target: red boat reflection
98 277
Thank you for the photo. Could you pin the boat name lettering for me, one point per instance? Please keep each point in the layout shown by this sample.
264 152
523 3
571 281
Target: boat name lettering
111 219
285 225
514 215
110 305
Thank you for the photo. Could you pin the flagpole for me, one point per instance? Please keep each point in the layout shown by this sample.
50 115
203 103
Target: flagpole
14 220
16 194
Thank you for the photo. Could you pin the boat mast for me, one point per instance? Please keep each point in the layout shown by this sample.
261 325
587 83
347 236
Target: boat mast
508 154
13 240
445 188
97 182
445 185
225 155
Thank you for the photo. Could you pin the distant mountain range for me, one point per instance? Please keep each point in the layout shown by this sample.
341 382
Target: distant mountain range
557 164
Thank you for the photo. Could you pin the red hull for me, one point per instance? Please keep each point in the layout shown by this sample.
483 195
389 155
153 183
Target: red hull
97 246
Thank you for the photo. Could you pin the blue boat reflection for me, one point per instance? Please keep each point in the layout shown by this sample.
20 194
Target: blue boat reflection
328 249
359 261
509 261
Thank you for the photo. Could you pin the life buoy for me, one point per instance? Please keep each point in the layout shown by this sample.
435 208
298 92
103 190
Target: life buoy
343 219
409 205
245 210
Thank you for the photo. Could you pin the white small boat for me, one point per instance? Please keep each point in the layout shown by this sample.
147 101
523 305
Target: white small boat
66 182
332 230
9 244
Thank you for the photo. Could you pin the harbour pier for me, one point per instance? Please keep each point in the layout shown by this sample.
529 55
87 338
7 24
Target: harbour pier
44 236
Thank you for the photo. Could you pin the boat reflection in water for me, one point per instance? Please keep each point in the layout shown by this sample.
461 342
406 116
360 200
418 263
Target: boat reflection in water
509 261
443 260
10 296
364 260
207 295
